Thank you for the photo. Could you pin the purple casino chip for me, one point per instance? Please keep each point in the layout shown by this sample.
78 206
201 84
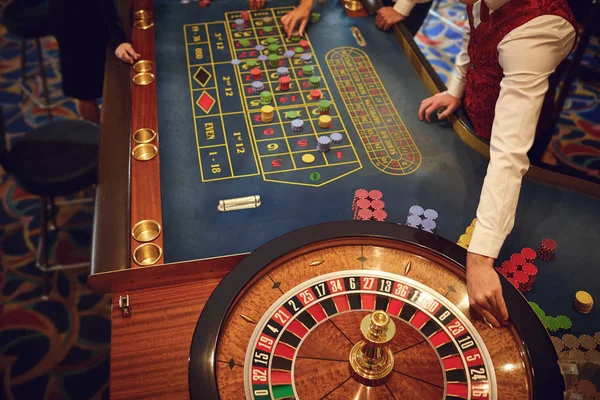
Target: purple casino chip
263 57
429 225
324 140
259 47
430 214
289 54
416 210
235 61
306 57
297 125
336 137
283 71
414 220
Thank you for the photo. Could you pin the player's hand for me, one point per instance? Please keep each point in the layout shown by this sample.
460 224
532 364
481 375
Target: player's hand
256 4
126 53
387 17
298 16
484 289
434 103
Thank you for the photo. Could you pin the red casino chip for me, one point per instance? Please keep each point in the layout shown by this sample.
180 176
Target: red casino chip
256 74
375 195
361 193
546 250
379 215
514 282
284 83
529 254
377 205
523 281
363 204
365 214
245 15
509 268
518 259
315 94
304 44
530 270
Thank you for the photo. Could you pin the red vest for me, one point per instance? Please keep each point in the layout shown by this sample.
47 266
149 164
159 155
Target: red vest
485 73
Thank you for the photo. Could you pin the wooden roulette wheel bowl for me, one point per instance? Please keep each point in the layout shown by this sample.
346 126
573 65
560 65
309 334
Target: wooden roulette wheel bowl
286 322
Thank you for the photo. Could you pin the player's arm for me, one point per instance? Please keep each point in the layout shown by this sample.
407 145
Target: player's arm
450 99
298 17
117 38
389 16
546 41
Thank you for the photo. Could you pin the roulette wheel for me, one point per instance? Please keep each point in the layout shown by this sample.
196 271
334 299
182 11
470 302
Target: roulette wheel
364 310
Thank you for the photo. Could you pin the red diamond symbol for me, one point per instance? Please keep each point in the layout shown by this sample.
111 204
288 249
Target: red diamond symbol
206 102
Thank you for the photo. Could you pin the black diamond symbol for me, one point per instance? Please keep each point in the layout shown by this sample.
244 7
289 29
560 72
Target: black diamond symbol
362 259
202 76
231 363
276 285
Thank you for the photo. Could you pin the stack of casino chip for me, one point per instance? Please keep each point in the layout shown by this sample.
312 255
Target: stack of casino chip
368 205
307 70
306 58
267 29
245 15
336 137
244 42
251 63
267 20
315 94
273 48
284 83
266 97
519 271
552 324
465 238
304 44
415 216
324 107
325 121
256 74
291 114
582 349
546 250
282 71
273 60
428 225
289 53
529 254
239 24
297 125
257 87
583 302
266 114
314 81
323 143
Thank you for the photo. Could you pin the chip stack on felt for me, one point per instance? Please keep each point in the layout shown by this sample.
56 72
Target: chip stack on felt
552 324
465 238
520 270
581 349
368 205
422 219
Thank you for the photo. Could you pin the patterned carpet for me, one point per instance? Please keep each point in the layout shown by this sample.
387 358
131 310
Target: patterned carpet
59 348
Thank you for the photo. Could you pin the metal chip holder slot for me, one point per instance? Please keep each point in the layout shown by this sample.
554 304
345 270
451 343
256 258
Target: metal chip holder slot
239 203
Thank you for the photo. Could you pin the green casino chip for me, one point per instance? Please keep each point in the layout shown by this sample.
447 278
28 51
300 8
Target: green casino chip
271 40
251 63
244 42
268 29
307 70
273 48
291 114
298 50
564 322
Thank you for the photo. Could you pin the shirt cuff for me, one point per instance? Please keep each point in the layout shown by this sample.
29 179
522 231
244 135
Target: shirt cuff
456 87
486 242
404 7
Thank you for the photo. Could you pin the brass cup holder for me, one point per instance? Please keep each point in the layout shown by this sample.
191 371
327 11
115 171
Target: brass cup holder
146 230
144 152
143 66
142 14
144 135
147 254
143 24
353 5
143 78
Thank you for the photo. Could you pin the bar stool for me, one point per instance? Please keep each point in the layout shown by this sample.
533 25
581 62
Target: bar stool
56 159
29 20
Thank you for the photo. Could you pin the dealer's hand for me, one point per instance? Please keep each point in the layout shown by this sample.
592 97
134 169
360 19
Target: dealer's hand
484 289
256 4
298 16
434 103
387 17
126 53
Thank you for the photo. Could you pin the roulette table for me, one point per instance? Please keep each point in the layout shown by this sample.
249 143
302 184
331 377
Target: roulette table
192 182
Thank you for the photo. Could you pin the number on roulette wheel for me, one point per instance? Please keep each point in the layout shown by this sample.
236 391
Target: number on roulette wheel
363 310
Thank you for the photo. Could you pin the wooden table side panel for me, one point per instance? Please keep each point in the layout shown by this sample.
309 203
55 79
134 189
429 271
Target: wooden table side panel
145 175
150 349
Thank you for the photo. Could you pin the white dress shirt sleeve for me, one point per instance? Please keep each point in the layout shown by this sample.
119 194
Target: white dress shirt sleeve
456 84
528 55
404 7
